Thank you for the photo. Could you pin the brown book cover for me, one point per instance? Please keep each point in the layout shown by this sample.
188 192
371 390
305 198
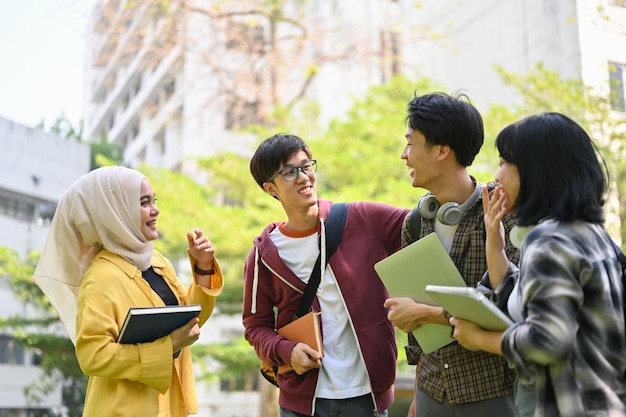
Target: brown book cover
306 329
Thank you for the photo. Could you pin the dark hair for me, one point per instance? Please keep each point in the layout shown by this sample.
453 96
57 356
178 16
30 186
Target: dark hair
448 120
562 174
274 152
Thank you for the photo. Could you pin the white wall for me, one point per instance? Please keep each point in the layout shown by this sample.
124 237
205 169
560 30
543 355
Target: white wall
467 38
35 168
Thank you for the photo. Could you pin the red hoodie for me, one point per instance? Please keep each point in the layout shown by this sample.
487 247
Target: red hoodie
371 233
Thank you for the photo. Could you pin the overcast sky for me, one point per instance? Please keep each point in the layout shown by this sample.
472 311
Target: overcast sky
41 59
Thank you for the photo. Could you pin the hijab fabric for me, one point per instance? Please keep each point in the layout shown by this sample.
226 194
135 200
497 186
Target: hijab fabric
100 210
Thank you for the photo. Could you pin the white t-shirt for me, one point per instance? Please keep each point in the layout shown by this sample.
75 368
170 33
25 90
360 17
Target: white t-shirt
445 233
343 373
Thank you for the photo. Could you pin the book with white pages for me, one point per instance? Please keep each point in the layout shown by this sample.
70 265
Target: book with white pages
407 272
470 304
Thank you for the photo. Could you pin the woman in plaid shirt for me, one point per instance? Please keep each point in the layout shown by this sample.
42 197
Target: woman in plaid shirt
568 344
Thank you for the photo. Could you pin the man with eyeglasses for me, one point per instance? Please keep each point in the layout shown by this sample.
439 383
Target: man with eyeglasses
355 377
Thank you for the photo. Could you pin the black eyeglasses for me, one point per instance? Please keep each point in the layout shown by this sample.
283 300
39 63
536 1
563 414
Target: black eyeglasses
290 172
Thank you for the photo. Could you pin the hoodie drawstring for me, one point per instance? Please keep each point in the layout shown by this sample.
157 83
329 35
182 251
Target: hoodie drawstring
255 282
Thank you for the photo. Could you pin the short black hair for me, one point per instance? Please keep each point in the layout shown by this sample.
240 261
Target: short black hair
449 120
562 173
274 152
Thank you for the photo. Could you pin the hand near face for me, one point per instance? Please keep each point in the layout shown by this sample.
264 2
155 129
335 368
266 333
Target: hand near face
494 208
201 249
494 211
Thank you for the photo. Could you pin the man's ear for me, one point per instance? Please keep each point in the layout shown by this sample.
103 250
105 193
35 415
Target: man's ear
270 188
444 152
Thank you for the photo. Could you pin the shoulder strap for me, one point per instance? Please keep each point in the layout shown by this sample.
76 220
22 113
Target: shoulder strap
334 229
416 224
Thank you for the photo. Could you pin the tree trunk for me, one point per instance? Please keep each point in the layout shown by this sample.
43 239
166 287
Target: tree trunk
269 398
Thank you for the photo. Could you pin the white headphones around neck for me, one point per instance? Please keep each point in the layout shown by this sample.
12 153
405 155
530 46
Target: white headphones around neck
449 213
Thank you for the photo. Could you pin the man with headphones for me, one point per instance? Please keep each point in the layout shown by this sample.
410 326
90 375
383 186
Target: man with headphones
444 135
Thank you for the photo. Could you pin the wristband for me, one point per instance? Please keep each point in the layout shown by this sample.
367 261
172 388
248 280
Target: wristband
203 271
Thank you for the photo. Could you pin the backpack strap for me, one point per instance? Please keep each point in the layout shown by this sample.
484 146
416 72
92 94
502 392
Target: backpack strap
411 349
334 229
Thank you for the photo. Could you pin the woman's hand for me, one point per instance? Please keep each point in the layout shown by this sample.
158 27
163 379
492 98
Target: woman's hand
493 213
473 337
201 248
185 335
494 210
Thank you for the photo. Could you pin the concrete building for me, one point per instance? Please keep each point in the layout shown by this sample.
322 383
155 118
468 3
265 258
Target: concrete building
161 88
579 39
35 169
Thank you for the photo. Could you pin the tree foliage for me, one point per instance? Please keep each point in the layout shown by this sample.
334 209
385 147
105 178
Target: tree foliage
42 333
235 361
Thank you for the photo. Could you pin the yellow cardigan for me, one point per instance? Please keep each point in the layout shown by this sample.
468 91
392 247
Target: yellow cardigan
134 380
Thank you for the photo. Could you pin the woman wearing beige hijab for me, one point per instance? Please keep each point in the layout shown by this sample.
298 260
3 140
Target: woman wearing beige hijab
99 261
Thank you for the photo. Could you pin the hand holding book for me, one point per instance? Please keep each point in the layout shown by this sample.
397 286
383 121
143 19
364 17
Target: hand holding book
305 331
303 359
477 324
185 335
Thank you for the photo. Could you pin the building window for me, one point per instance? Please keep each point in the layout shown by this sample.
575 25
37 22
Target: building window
169 89
10 351
159 142
246 382
245 37
17 209
617 74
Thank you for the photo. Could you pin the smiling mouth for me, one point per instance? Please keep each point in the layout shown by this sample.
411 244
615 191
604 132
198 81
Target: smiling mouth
304 190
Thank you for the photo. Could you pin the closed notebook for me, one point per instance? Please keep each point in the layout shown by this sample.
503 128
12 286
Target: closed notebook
306 329
147 324
470 304
406 274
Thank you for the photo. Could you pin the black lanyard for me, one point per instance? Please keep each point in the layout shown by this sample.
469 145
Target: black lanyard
158 285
